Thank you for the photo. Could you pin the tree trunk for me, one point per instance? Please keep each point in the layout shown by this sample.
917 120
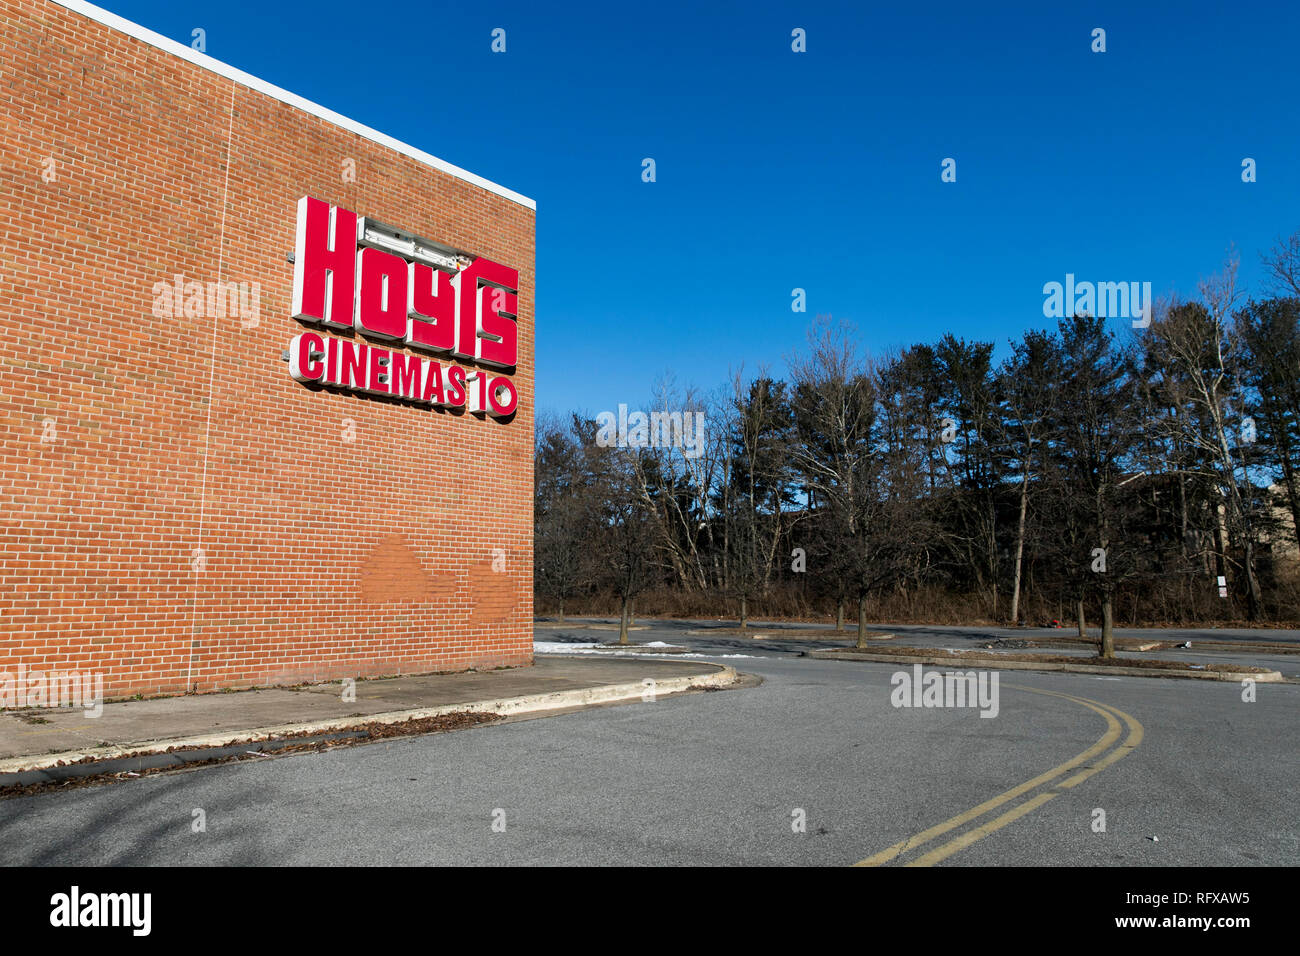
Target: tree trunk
991 556
744 612
1255 598
839 614
1020 550
862 620
1083 628
622 623
1182 512
561 610
1107 625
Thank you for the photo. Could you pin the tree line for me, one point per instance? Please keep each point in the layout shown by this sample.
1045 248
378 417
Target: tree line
1098 473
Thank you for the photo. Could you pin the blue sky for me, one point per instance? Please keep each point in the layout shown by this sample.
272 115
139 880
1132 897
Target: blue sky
818 170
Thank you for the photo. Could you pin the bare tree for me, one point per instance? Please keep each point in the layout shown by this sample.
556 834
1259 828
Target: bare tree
1198 348
856 478
1282 263
628 541
676 481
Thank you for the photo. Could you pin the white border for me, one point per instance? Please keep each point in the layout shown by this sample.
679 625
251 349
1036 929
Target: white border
284 96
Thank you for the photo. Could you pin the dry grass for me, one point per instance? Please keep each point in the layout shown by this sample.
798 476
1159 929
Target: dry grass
1180 604
993 656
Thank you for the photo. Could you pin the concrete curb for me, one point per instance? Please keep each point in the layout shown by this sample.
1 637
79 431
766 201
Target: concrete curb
722 676
1268 677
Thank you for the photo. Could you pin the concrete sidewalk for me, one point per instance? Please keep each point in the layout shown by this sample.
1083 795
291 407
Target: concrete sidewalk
44 737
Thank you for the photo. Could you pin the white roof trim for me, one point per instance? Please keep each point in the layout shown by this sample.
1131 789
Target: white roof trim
284 96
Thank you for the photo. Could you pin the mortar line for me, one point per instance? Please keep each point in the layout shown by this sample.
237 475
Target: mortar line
212 373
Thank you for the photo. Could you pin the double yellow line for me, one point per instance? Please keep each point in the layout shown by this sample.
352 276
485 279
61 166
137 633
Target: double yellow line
1049 785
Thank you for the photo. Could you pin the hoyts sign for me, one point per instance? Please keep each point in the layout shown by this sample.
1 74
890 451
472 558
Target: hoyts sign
397 289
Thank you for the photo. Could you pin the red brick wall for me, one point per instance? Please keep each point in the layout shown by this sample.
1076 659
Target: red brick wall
126 447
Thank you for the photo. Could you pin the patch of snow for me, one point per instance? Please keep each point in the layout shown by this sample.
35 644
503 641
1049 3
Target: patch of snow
755 657
560 647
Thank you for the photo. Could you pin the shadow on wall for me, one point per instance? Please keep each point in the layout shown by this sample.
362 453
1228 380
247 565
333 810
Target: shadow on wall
393 573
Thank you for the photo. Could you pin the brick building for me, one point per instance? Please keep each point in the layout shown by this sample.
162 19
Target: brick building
177 511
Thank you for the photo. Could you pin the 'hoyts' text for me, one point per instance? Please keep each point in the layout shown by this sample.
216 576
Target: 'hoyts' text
341 282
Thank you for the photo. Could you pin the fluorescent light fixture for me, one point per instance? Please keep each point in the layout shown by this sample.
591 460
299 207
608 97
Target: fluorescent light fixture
409 246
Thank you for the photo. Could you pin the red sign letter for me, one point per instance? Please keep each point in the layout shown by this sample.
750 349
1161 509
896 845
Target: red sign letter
431 305
324 264
487 331
305 354
381 294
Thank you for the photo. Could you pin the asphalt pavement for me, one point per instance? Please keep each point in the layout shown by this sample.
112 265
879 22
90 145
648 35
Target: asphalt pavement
812 766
